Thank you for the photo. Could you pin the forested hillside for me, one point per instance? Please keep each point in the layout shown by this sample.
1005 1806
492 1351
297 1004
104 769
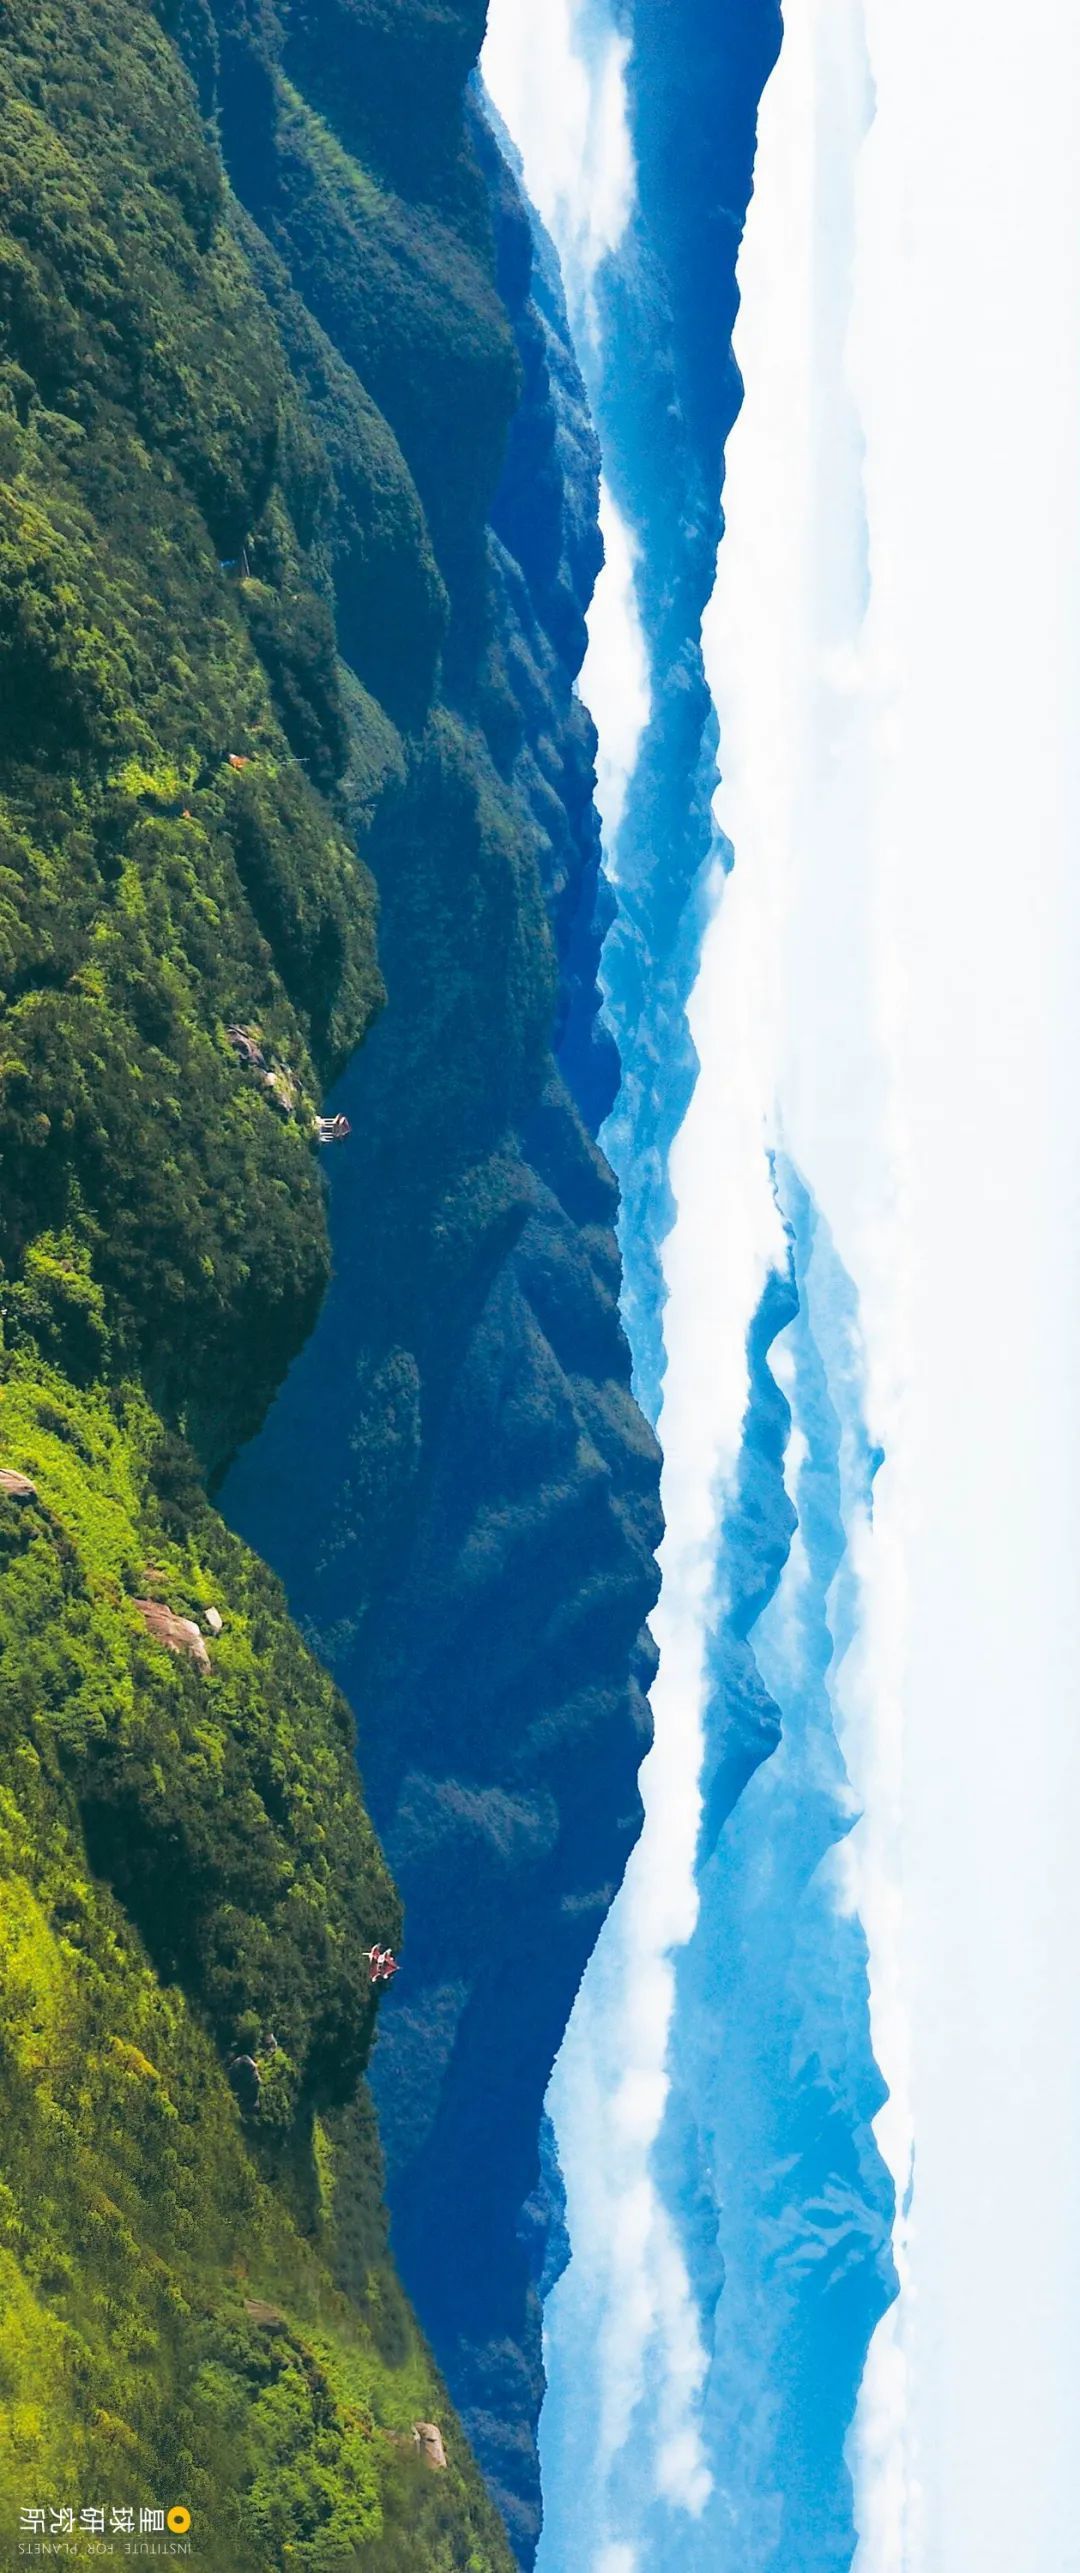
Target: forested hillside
196 486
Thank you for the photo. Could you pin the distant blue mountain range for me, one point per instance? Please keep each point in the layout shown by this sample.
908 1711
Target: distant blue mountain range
766 2163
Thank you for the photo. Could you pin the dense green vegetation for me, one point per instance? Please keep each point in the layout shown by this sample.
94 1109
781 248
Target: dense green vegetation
243 648
221 1779
151 894
193 2305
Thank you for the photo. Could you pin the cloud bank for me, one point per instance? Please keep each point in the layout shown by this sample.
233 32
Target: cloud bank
888 989
623 2325
894 651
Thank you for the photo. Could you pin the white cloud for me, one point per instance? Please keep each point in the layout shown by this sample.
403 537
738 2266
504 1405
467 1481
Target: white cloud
786 652
624 2315
895 961
615 678
974 621
562 96
626 2310
911 785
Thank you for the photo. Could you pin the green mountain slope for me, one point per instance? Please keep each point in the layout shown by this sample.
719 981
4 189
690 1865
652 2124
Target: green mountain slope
197 2304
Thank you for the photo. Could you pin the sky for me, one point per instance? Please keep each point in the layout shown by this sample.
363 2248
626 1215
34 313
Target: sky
890 988
904 764
970 226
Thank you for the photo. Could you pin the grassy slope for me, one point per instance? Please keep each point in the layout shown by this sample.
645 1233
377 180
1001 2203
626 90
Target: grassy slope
181 1851
140 2222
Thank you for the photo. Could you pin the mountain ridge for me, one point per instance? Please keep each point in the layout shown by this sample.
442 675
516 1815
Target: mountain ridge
254 644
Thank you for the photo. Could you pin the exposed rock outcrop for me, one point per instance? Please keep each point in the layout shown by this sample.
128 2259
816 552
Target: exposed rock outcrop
178 1634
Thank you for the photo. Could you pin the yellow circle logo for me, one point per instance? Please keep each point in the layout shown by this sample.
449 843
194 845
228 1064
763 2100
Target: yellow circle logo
179 2521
